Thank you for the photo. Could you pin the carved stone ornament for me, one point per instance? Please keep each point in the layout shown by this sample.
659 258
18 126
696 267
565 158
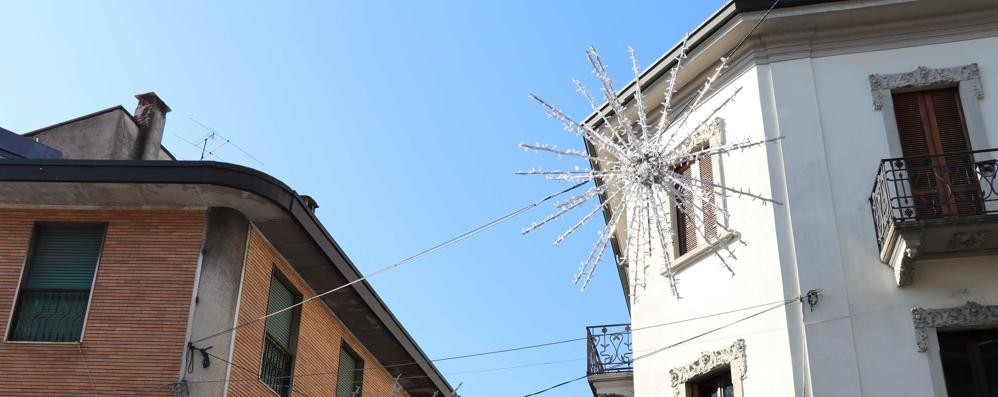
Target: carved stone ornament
968 240
883 84
733 355
970 314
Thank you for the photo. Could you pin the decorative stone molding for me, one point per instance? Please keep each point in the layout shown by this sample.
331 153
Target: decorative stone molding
883 84
968 240
900 251
970 314
733 355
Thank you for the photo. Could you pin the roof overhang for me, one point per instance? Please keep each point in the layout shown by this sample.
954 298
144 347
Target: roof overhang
276 210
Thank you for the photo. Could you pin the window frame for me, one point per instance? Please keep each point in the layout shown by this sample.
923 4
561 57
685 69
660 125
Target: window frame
702 248
967 80
358 375
292 349
22 278
731 358
693 384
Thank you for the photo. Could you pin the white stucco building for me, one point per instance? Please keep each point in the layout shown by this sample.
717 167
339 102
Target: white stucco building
886 179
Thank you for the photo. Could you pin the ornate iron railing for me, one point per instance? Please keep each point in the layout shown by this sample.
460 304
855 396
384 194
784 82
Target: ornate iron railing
931 187
50 315
609 349
276 368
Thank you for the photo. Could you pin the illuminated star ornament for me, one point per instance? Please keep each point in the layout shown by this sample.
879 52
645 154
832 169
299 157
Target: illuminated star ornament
639 172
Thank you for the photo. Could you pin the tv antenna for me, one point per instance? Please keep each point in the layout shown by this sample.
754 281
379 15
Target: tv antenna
214 136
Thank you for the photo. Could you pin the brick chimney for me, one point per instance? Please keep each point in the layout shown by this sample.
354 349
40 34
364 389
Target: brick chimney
150 114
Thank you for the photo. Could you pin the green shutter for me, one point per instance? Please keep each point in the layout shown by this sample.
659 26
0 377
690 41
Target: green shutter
64 258
348 377
60 271
279 325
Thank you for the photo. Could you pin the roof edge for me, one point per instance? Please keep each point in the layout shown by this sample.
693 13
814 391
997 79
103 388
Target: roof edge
219 174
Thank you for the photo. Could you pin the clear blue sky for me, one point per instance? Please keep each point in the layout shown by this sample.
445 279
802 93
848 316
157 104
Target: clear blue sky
401 118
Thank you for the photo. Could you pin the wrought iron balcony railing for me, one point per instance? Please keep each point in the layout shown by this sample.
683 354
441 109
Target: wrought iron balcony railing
50 315
920 188
609 349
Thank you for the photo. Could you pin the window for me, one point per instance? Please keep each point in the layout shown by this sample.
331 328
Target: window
350 377
713 385
934 141
970 362
55 290
683 205
686 233
280 337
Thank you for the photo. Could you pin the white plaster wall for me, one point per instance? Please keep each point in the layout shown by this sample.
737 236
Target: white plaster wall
860 340
706 287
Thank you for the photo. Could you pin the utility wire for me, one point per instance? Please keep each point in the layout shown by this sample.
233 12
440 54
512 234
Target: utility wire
783 304
256 377
734 49
563 341
407 260
90 374
290 384
442 245
780 302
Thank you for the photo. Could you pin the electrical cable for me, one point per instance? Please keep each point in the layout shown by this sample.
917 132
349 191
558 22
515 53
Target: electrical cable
563 341
784 304
777 304
435 248
90 374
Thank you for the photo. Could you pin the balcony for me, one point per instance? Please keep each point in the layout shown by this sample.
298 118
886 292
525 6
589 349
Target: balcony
935 207
609 357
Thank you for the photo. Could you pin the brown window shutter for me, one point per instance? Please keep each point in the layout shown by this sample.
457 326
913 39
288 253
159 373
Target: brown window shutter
960 170
912 128
685 229
709 214
934 142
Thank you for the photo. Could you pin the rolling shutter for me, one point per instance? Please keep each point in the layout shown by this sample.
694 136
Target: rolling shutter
52 303
279 326
349 375
64 258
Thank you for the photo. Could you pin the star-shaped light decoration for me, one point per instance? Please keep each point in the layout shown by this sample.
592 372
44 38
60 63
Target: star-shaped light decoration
638 173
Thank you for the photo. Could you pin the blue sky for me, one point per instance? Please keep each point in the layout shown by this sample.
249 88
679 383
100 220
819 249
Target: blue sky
401 118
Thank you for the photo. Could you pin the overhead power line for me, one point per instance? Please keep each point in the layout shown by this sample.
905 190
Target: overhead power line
256 375
428 251
649 354
777 304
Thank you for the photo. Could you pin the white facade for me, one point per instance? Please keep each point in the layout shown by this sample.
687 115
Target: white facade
805 75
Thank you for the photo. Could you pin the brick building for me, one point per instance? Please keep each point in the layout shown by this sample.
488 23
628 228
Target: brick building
124 272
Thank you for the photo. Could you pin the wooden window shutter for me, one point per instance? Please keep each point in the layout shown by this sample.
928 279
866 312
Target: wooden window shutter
686 234
934 142
709 213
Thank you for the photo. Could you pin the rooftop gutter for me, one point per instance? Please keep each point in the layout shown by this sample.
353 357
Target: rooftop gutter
225 175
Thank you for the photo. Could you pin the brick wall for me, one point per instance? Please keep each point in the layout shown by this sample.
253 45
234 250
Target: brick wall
319 339
134 336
